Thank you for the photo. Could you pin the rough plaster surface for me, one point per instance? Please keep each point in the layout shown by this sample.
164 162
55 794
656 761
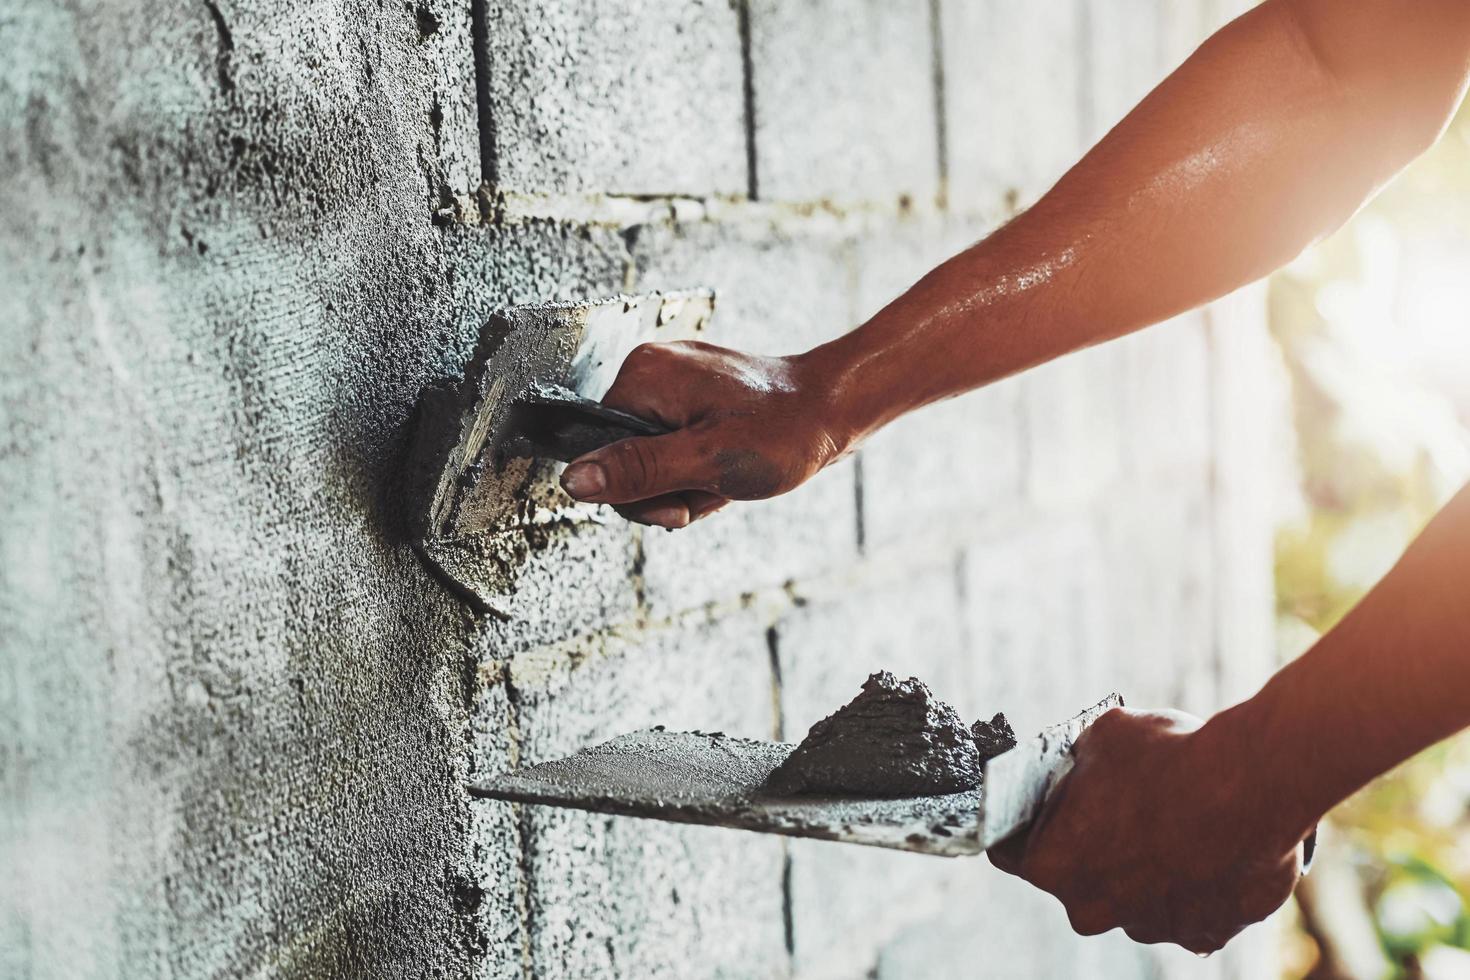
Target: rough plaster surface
233 717
238 237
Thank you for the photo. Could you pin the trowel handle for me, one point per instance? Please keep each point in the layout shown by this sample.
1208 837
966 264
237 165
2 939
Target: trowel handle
554 423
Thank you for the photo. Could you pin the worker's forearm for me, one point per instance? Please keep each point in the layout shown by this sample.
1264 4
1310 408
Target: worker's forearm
1247 153
1390 680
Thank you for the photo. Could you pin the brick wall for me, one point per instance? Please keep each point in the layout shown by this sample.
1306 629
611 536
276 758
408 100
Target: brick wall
237 712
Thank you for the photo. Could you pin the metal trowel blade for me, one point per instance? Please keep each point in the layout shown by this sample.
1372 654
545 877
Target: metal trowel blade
715 779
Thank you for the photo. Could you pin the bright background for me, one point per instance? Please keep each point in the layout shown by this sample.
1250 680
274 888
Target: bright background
1372 326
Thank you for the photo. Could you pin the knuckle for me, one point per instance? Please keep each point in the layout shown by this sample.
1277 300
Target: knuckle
1267 895
1089 920
1115 732
641 360
1144 935
1108 727
1113 720
1206 942
654 354
629 466
635 466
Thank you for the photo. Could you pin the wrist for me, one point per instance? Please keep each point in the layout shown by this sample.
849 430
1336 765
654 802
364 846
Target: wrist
829 375
864 383
1269 780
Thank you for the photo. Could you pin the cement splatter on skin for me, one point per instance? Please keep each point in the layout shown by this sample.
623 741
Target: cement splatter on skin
747 475
893 739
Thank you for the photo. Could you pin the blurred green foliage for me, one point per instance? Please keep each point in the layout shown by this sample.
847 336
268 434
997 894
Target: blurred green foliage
1381 431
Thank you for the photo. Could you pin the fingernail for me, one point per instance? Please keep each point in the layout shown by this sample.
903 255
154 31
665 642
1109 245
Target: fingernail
583 480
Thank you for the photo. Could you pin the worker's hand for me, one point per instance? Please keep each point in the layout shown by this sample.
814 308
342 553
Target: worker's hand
746 427
1159 830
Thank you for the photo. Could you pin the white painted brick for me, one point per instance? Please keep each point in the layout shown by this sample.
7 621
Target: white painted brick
643 97
1183 26
844 100
1159 546
1127 57
1254 471
754 545
994 925
1074 433
929 475
1037 606
931 472
777 291
1166 397
894 256
1013 99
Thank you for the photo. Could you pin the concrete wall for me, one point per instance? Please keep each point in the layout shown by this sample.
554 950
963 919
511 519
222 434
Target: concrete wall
237 237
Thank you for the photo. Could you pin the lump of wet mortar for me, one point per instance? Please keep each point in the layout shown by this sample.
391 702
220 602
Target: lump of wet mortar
893 739
993 737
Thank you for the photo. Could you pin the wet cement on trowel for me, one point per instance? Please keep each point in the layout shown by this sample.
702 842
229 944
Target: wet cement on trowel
894 739
894 768
712 778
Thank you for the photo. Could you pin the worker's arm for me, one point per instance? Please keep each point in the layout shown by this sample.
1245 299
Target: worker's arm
1187 834
1268 137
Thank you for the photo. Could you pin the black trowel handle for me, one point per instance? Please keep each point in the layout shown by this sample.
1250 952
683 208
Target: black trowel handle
551 422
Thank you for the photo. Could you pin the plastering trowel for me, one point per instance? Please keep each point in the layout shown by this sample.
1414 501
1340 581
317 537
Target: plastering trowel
521 397
712 778
480 469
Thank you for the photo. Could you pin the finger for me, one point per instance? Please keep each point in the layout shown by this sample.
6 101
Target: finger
1205 943
1090 920
1202 942
1270 891
1201 924
703 504
1101 730
637 469
673 510
1145 935
670 510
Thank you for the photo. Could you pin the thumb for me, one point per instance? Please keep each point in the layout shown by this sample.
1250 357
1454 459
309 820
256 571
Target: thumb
636 469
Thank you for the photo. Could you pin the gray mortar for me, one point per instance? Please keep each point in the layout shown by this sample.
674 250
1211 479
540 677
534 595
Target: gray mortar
993 737
893 739
713 778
